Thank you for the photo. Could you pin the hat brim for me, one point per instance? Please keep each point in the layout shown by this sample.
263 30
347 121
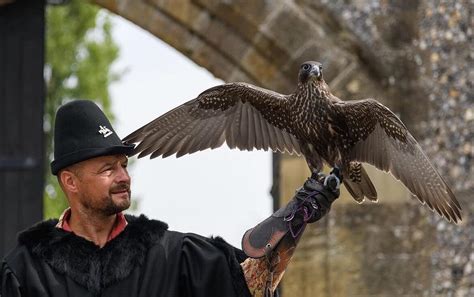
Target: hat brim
86 154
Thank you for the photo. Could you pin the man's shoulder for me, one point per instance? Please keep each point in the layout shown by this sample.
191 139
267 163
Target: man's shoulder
158 232
43 236
142 228
15 256
32 235
174 238
42 231
28 240
145 229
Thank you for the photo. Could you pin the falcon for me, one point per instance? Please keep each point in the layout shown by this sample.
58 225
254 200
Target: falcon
311 122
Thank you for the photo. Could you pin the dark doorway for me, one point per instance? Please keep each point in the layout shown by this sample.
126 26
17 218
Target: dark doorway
21 117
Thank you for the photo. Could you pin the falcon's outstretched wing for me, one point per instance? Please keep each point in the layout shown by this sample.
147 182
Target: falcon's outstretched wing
378 137
243 115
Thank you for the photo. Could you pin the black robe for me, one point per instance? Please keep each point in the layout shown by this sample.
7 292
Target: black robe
145 260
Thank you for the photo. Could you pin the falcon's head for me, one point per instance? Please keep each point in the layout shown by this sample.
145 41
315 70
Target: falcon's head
310 70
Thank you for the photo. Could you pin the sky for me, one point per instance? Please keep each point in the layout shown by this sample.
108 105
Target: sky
219 192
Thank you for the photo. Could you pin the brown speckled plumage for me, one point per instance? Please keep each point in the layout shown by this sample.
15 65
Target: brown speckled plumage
311 121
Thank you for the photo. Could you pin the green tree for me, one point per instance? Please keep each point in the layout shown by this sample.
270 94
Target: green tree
80 51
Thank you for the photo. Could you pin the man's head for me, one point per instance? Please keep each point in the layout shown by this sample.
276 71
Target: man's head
90 159
100 185
81 132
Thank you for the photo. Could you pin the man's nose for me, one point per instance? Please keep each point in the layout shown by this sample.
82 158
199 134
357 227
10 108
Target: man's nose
122 175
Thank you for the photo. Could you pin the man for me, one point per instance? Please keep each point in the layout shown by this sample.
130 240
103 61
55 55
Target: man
96 250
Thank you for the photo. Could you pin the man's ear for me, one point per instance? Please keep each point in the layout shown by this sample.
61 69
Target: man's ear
68 180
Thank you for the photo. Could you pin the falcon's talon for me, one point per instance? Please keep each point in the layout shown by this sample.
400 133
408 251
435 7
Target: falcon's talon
316 175
337 172
330 180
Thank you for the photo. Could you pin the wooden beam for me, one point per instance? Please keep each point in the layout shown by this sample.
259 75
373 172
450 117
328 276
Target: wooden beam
22 98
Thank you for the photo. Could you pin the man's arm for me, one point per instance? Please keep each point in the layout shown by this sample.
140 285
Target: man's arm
271 244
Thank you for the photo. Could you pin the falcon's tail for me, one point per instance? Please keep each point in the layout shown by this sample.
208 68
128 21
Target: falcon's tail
358 183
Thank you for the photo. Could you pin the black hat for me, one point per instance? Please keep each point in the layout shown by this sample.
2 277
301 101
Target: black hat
82 131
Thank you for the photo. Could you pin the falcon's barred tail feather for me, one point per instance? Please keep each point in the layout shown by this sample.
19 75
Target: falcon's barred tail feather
367 186
354 190
358 183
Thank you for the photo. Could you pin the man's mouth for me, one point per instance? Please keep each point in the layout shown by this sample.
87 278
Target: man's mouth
120 190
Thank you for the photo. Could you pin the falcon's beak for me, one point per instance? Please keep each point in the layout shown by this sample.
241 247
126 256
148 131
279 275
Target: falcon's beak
316 71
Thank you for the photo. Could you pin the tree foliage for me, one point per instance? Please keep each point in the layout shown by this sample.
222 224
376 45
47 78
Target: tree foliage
80 51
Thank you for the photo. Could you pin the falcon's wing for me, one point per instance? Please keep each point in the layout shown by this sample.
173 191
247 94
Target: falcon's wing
243 115
378 137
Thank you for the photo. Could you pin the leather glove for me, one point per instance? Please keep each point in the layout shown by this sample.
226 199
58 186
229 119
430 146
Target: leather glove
310 203
314 199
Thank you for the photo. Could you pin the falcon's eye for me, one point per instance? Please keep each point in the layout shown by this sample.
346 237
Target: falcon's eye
306 67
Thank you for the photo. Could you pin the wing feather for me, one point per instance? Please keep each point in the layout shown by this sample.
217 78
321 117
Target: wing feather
234 126
201 136
170 141
259 135
244 129
287 141
280 140
381 139
239 114
219 134
275 137
265 134
191 142
251 129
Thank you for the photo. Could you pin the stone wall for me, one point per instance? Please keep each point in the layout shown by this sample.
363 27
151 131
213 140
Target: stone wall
414 56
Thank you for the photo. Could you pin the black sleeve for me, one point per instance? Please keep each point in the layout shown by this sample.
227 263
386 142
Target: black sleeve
211 267
9 285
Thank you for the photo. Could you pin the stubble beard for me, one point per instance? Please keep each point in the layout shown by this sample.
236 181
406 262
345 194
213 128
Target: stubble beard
107 206
112 208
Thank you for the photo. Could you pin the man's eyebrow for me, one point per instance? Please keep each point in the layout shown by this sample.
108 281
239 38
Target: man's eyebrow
106 164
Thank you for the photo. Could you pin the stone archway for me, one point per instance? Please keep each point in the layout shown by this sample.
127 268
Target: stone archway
262 42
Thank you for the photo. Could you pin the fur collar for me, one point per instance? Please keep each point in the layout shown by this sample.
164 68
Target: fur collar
93 267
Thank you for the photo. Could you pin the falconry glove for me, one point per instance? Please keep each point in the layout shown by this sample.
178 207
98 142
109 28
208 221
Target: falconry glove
310 203
313 200
271 244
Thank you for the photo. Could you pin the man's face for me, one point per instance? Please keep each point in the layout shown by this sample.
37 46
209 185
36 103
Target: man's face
103 184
